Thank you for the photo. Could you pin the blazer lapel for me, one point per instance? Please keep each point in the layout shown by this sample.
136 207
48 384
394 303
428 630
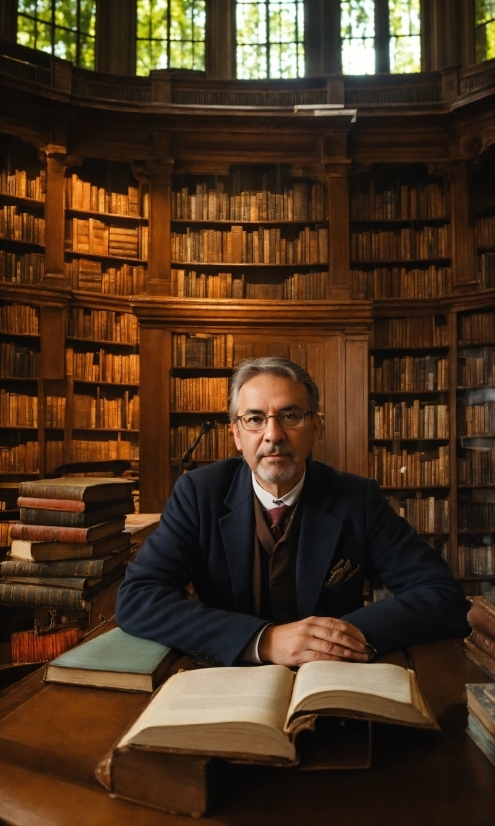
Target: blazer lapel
237 531
319 534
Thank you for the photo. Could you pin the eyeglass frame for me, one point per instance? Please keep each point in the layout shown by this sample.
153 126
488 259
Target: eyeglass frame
275 416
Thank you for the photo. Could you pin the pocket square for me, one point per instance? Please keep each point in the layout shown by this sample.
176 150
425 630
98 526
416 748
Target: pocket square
341 572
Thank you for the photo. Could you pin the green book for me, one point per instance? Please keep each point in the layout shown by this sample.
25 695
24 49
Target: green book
113 660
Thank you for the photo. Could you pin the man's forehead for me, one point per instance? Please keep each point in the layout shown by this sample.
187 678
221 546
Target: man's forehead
268 386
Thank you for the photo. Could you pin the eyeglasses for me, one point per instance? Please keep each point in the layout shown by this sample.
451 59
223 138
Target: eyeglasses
288 419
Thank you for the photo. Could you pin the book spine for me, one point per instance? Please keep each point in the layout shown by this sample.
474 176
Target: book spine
40 491
62 568
48 533
484 643
38 516
51 504
32 596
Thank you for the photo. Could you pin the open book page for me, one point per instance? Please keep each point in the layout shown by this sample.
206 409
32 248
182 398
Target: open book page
379 689
211 697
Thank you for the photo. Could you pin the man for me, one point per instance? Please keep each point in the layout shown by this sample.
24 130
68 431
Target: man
278 547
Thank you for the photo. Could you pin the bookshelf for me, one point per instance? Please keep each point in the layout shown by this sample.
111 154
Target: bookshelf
106 229
400 233
256 233
476 445
483 199
410 421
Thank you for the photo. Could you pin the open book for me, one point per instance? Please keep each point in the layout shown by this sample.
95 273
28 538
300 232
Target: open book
255 714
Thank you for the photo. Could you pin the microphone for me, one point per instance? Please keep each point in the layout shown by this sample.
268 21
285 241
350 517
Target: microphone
187 457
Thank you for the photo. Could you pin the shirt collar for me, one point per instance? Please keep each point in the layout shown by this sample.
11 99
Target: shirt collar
267 500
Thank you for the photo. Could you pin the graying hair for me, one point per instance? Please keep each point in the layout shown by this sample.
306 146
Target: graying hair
277 366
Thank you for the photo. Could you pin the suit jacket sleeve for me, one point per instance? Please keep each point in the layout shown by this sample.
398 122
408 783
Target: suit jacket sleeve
427 604
152 601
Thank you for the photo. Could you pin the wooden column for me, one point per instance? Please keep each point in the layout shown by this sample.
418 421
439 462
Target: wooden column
8 20
220 47
116 36
159 174
464 265
337 176
322 45
56 163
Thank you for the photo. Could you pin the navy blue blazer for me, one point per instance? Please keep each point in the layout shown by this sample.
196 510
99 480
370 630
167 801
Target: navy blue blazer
206 535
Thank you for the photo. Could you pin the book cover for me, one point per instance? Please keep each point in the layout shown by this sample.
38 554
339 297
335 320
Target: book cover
35 516
481 703
84 489
52 533
20 567
113 660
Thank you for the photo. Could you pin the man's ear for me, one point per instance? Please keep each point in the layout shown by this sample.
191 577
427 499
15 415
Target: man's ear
235 433
317 425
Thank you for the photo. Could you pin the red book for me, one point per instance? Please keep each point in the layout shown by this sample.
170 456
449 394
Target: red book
53 504
54 533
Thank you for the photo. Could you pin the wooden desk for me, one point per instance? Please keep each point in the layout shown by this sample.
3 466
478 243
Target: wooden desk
52 736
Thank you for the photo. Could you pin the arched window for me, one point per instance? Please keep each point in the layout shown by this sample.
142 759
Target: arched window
65 28
380 36
170 35
270 39
484 29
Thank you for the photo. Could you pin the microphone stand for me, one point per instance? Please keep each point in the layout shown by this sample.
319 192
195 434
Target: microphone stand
187 457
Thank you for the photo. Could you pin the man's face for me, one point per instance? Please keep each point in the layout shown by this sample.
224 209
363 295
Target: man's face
277 456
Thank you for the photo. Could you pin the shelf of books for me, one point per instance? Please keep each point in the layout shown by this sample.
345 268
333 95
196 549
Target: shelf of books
22 212
256 233
19 369
102 367
106 229
400 233
476 447
409 424
483 200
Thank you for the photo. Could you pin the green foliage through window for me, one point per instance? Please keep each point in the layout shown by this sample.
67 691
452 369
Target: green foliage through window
65 28
270 39
358 24
484 29
170 35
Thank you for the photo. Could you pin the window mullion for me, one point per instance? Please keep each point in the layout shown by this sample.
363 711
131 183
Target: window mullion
382 36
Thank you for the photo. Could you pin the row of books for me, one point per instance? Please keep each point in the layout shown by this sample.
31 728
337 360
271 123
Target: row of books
89 275
480 647
188 284
237 246
84 195
22 458
19 318
401 282
486 270
477 419
402 201
477 367
18 361
102 450
485 231
477 467
202 350
23 184
199 394
55 411
21 226
27 268
408 373
5 533
401 420
101 325
18 409
309 286
89 412
401 244
413 331
476 516
410 469
102 366
94 236
301 203
475 559
477 328
216 444
428 515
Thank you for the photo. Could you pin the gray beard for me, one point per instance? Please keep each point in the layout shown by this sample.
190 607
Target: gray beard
273 474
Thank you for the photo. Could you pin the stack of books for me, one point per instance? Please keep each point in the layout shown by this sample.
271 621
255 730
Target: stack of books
480 645
68 554
481 717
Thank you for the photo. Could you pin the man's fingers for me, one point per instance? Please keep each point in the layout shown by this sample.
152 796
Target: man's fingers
337 635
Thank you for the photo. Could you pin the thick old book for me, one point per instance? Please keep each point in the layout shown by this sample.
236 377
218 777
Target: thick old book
483 642
71 596
17 567
481 704
479 657
30 647
44 551
73 505
481 615
255 714
69 519
54 533
113 660
83 489
482 737
141 525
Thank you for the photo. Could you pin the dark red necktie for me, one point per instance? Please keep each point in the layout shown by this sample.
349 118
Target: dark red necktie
276 518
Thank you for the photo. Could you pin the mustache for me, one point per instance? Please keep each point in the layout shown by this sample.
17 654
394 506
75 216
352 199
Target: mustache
275 450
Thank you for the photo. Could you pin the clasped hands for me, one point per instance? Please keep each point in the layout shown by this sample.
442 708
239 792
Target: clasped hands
313 638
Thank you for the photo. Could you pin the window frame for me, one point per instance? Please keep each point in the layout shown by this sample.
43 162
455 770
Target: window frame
53 26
